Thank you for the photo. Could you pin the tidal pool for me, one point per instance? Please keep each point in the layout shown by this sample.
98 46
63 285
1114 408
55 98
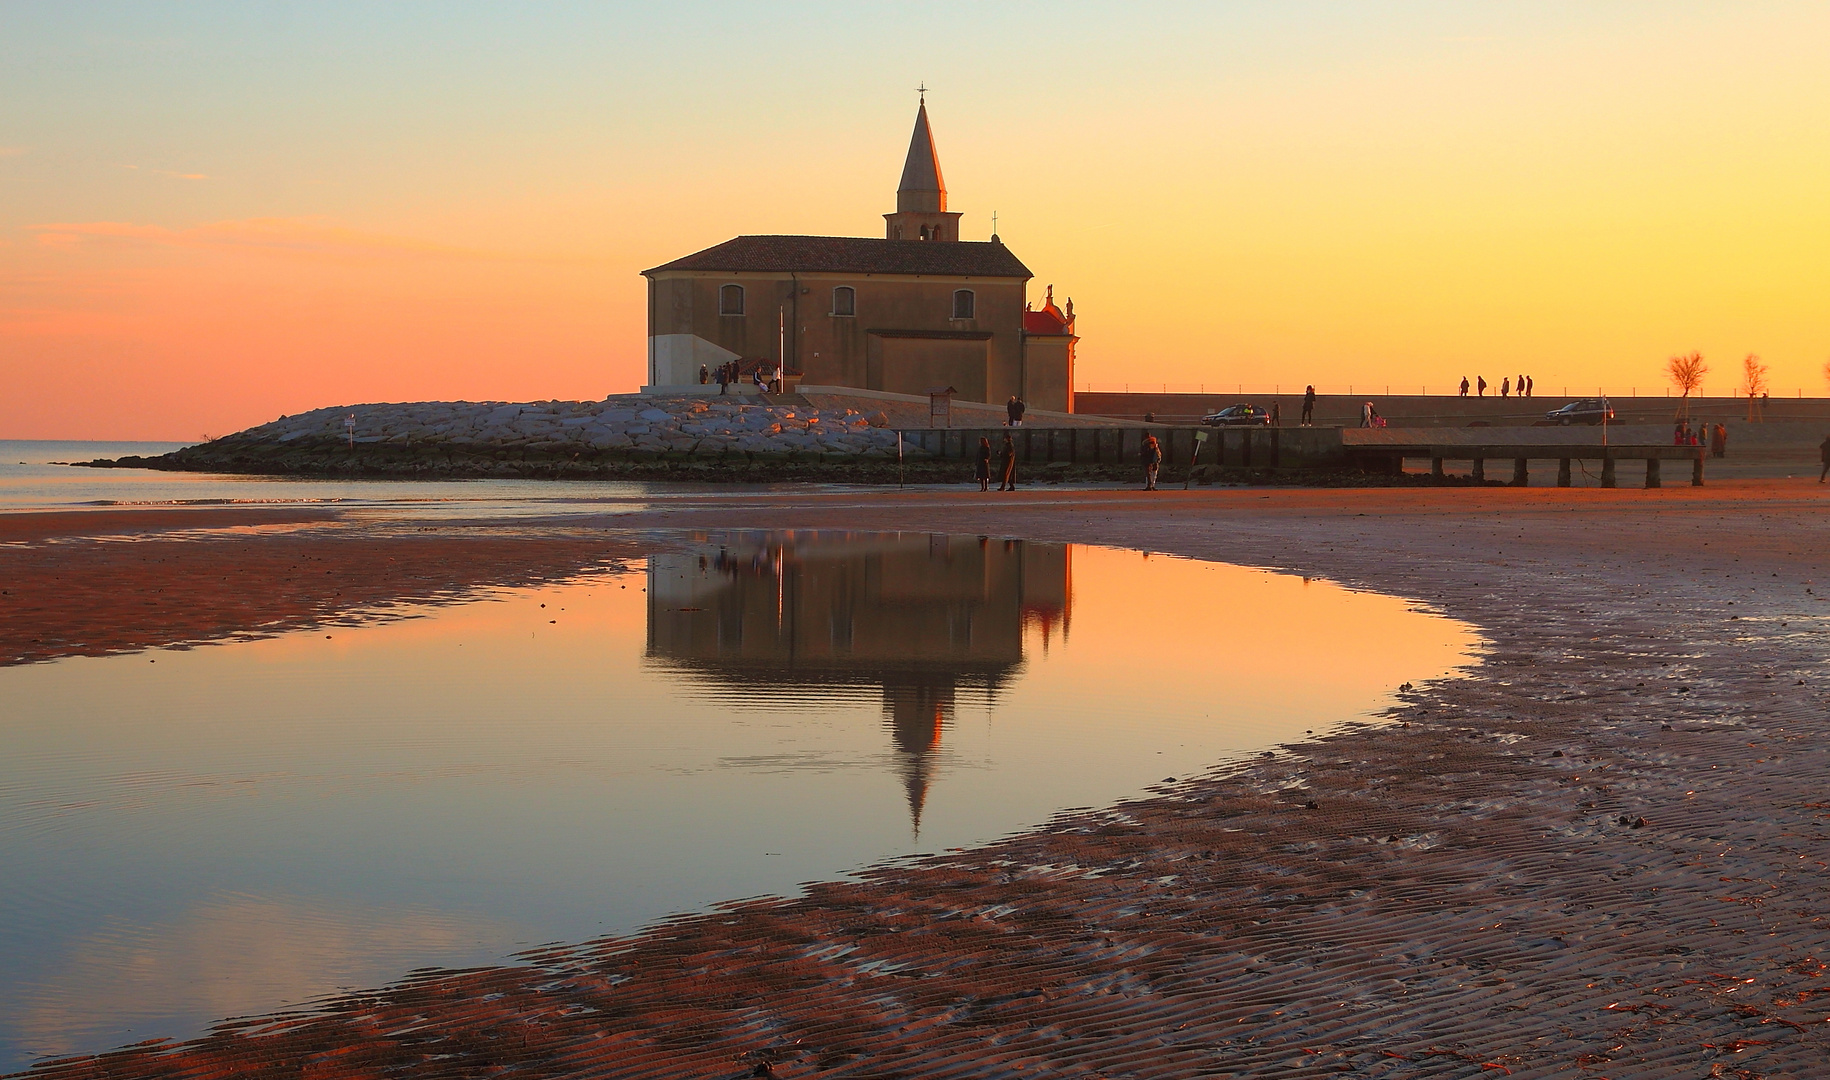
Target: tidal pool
192 834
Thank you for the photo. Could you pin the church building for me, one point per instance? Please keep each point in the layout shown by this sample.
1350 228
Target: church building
919 309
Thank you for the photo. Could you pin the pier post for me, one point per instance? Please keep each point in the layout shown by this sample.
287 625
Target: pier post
1607 472
1521 475
1436 467
1696 471
1563 472
1652 473
1480 470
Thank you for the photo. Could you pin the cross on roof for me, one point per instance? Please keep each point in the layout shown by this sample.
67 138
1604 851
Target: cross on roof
923 91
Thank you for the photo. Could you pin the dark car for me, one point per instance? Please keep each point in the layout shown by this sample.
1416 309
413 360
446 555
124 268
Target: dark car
1236 415
1592 410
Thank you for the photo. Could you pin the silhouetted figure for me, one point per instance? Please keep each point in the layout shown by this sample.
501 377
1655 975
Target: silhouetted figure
1823 451
1464 386
1308 405
1277 413
724 377
1153 460
1480 386
1718 442
1505 387
1531 386
1007 464
982 468
705 374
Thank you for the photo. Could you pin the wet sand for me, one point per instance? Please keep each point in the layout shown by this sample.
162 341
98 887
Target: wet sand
1603 854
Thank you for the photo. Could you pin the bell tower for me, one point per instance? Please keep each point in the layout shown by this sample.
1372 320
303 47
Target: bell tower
921 197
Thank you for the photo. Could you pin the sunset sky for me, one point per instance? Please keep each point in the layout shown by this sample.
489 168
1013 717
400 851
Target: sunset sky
215 213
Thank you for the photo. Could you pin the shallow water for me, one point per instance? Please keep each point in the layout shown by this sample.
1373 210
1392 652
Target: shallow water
192 834
34 476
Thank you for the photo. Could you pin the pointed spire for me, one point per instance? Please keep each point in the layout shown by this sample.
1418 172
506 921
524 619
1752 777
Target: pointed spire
921 189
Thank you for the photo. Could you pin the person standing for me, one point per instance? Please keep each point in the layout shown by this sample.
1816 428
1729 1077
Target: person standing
1153 460
1007 464
1823 451
724 371
1505 387
1531 386
1480 386
981 469
1464 386
1013 410
1277 413
1718 442
705 375
1308 406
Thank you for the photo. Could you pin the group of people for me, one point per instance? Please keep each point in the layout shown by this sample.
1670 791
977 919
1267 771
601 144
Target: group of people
1702 435
1151 453
1522 387
767 380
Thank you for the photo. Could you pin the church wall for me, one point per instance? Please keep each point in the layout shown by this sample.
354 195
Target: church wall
914 365
837 349
1048 361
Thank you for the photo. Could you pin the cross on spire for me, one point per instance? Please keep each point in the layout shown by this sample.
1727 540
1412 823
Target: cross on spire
923 91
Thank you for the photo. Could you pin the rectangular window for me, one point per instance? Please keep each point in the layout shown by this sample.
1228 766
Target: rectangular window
962 304
730 300
844 301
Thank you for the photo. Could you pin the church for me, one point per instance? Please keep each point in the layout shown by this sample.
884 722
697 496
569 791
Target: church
916 310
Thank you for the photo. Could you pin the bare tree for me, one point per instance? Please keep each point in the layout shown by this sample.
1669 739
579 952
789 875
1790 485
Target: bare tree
1753 372
1686 374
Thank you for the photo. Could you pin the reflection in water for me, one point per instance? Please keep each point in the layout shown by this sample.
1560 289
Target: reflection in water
204 832
784 620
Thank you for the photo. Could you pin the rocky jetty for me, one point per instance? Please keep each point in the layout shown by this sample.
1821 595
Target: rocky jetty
618 436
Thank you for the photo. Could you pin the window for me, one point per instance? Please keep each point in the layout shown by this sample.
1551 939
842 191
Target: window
962 303
730 300
844 301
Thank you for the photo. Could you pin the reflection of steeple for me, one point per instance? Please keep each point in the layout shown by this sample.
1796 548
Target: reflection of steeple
799 621
916 713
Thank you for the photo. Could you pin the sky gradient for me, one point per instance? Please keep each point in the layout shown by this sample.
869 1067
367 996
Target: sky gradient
213 214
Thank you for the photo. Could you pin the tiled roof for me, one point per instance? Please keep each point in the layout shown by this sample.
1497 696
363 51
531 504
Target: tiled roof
854 255
1046 321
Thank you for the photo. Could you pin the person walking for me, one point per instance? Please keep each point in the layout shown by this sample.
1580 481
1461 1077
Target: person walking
1277 413
1823 451
1464 386
1480 386
981 469
1308 406
1152 454
1531 386
1505 387
1007 464
1367 414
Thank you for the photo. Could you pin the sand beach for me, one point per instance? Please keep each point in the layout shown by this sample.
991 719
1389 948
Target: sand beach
1601 854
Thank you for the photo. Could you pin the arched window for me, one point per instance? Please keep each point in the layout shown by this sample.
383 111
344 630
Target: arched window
962 303
844 301
730 300
924 232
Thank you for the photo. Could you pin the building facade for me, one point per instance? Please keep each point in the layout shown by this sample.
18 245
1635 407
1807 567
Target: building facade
917 309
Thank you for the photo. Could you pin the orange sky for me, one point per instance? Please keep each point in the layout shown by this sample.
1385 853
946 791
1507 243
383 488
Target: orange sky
215 214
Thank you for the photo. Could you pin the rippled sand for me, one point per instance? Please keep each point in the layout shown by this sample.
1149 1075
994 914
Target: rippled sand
1602 855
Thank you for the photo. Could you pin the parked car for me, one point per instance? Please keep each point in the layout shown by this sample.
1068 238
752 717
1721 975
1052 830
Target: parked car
1585 411
1237 415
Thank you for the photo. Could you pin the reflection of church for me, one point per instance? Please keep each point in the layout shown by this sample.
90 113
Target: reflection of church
791 621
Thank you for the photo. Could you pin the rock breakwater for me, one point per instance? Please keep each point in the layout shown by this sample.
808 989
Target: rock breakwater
616 437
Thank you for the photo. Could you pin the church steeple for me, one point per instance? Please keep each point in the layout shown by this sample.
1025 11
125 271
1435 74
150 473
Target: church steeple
921 197
922 191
